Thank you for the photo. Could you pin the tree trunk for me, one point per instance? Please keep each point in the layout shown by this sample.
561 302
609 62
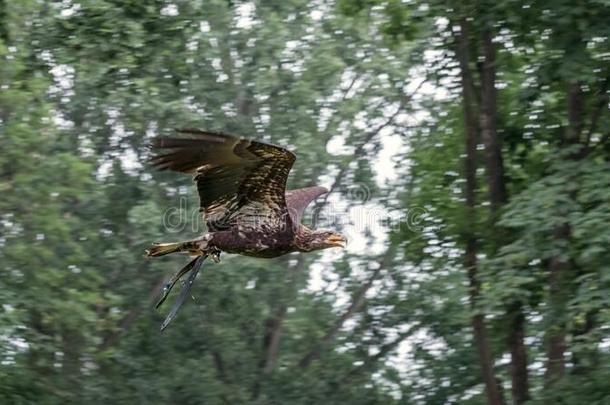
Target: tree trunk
493 144
272 338
4 31
555 336
518 354
559 265
492 387
494 166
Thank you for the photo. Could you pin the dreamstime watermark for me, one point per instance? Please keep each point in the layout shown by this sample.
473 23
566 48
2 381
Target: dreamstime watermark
355 210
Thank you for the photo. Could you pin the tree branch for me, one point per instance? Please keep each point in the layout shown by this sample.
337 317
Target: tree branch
359 151
371 360
131 317
357 301
597 112
273 345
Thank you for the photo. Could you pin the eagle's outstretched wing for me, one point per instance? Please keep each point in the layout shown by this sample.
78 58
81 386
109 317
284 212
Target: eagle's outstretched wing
240 182
297 200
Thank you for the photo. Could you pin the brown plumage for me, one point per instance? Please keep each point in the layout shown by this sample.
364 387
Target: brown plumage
243 198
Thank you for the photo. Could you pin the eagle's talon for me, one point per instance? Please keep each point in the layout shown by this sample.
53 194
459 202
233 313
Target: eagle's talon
214 254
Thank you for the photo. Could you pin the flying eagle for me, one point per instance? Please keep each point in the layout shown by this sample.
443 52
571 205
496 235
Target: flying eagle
244 201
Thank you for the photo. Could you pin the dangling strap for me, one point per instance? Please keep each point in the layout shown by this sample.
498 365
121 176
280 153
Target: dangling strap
194 266
172 281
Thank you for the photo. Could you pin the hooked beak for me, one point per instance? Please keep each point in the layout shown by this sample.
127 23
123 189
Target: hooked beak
336 241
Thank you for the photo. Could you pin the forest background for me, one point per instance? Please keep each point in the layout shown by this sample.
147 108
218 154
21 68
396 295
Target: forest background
466 145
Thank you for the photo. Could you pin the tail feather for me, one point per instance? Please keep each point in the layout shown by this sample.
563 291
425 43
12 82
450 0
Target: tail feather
161 249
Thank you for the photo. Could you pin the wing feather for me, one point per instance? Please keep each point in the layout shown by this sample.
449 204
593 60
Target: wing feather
298 200
240 182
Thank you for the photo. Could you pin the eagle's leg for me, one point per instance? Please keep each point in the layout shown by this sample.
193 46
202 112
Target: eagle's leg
193 247
214 253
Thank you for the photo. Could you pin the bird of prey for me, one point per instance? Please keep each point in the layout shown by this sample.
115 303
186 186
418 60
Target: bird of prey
244 201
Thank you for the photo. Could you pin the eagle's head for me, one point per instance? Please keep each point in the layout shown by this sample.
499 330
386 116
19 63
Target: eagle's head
316 240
